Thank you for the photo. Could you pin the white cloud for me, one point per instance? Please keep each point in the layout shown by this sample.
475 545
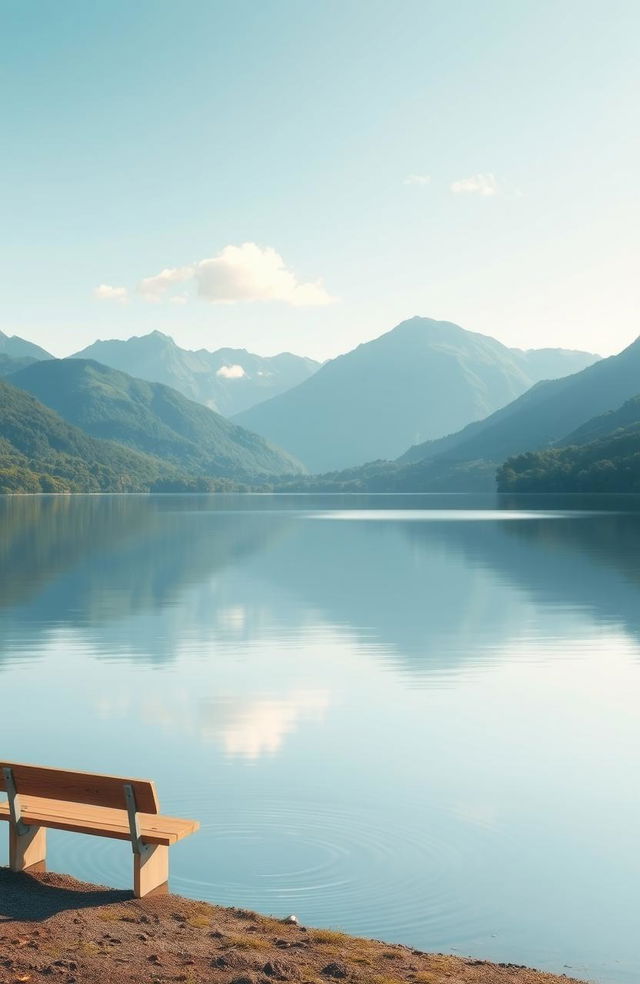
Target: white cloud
418 179
105 292
237 273
154 288
231 372
253 273
478 184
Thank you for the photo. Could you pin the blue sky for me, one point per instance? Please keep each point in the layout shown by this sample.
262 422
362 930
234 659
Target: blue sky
307 173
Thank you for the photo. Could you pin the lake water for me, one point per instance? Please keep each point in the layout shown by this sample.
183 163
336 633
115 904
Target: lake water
408 717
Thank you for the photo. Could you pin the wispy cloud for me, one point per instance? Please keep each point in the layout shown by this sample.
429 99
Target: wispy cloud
237 273
231 372
478 184
417 179
154 288
105 292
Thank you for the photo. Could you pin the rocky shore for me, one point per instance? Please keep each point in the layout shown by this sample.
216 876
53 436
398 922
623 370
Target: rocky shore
53 928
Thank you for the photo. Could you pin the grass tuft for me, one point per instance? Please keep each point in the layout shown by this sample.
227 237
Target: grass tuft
329 936
245 941
199 922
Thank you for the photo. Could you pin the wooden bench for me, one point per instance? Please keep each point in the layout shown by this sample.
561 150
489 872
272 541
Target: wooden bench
87 803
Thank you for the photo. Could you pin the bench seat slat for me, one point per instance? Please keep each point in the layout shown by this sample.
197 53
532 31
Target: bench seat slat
101 821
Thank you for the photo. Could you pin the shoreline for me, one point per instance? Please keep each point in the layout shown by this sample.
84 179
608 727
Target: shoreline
52 926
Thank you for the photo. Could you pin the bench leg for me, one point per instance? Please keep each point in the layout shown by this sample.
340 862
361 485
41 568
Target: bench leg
151 871
28 850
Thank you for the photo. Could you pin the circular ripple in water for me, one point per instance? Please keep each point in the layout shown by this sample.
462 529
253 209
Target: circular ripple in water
345 869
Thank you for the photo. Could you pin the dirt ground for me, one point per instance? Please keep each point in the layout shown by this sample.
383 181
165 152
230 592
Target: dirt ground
55 928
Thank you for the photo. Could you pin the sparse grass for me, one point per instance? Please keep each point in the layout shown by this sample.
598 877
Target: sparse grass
442 961
90 949
268 922
329 936
203 908
52 951
111 915
224 945
382 979
245 941
199 922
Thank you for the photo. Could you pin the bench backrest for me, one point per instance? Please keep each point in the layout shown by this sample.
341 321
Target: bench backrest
89 788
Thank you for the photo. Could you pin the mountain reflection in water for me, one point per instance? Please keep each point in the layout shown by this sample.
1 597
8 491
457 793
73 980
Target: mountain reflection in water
415 716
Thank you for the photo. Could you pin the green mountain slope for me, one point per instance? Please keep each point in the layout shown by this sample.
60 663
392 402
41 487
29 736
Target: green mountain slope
40 452
9 365
421 380
539 418
227 380
610 464
603 455
625 418
151 418
18 348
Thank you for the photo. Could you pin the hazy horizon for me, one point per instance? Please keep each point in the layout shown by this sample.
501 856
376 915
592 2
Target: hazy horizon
63 354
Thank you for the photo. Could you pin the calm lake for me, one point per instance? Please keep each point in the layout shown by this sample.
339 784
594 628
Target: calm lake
409 717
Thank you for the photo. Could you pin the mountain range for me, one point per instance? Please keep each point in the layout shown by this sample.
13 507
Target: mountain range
19 348
421 380
151 418
578 431
544 415
228 380
538 433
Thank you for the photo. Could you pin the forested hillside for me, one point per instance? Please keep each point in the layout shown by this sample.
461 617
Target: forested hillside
40 452
151 418
606 465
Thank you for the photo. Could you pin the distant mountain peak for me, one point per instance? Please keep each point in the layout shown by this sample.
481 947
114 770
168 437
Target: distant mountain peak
555 410
424 377
19 348
420 323
245 379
